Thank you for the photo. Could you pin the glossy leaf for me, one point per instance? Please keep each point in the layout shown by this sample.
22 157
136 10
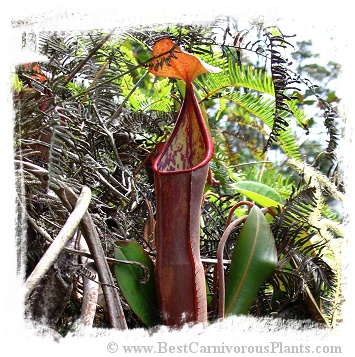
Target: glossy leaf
254 260
141 297
261 194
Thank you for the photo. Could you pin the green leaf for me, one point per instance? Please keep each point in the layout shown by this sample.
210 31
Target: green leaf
16 82
261 194
222 107
140 297
254 260
209 295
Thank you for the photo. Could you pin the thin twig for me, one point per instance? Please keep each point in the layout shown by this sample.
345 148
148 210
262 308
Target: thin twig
220 270
118 111
59 242
113 301
48 238
88 57
110 177
215 261
150 154
94 80
110 135
109 186
69 199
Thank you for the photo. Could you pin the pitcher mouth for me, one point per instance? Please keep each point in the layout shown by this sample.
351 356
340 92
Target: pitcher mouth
190 145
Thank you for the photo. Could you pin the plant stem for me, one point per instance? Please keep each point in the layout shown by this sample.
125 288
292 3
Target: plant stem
220 269
59 242
118 111
69 199
113 301
90 297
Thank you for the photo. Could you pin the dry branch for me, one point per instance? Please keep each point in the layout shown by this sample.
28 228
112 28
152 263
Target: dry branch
59 242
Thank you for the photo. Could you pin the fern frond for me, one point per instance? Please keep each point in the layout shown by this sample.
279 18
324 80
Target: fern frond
282 82
61 142
301 117
330 115
269 176
301 264
235 76
243 117
298 208
137 122
222 106
233 135
251 78
316 178
264 110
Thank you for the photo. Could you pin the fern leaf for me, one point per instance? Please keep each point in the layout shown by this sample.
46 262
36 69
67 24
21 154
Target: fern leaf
316 178
249 77
283 185
293 233
282 81
235 76
264 110
222 106
299 114
61 140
